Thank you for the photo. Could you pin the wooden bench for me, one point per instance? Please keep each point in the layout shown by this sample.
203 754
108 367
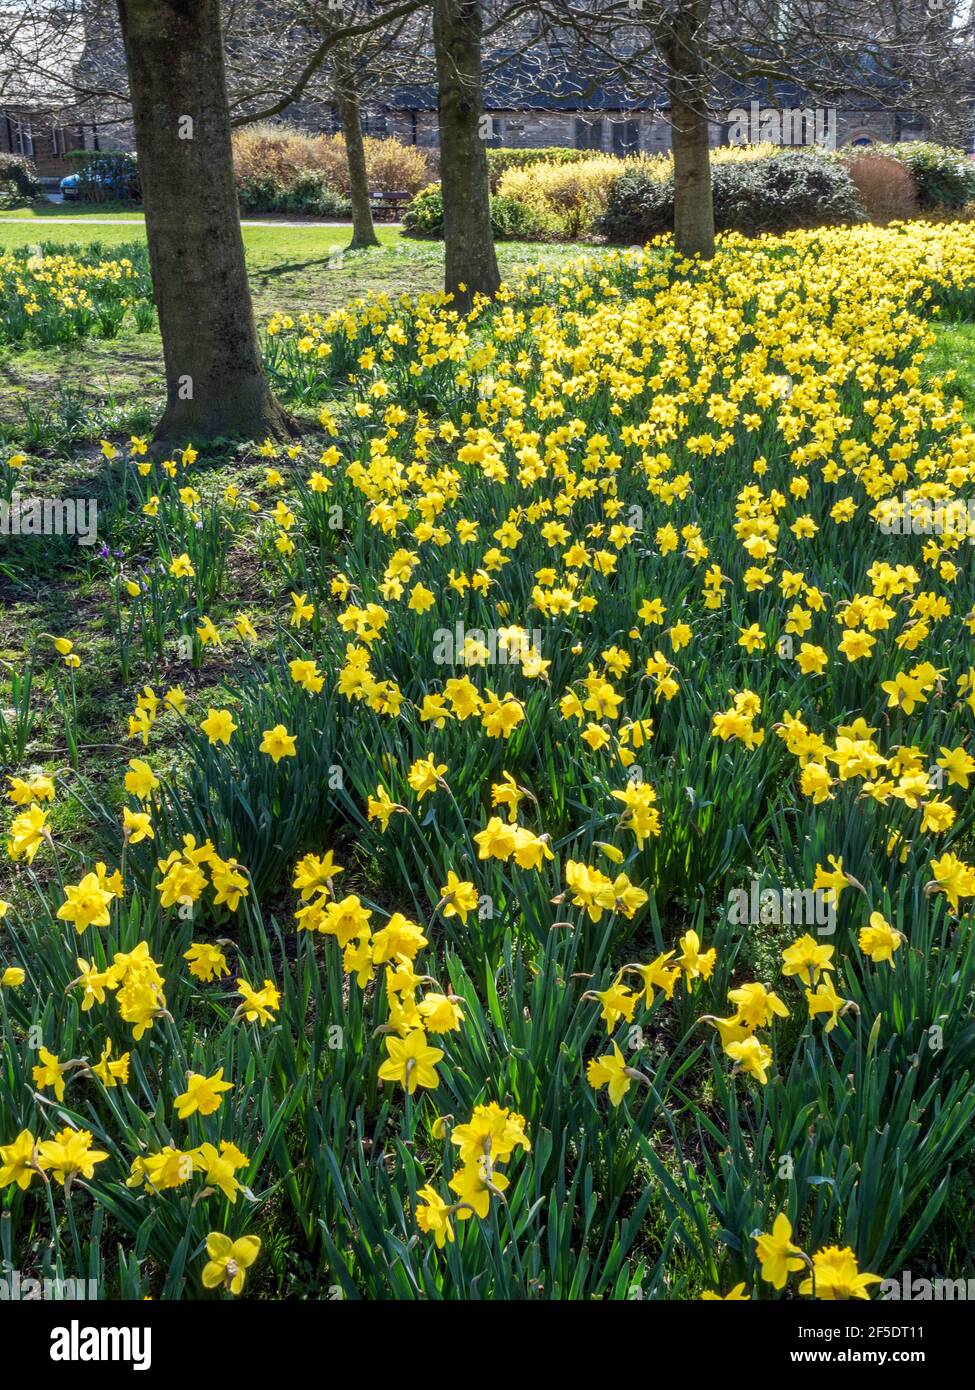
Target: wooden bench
389 204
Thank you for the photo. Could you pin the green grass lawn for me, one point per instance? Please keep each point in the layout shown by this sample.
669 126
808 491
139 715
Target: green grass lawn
274 242
955 351
47 209
105 386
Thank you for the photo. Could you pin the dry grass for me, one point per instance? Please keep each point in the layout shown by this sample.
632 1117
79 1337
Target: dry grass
282 153
887 186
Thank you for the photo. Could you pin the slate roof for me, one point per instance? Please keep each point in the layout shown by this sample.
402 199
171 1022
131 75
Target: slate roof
538 81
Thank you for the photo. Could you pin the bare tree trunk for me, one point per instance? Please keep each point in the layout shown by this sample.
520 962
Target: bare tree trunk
688 89
347 100
215 382
471 265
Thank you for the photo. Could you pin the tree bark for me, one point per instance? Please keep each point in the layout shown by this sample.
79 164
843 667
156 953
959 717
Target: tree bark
347 100
215 383
471 266
688 90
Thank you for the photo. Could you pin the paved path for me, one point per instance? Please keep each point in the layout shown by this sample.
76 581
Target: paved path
140 222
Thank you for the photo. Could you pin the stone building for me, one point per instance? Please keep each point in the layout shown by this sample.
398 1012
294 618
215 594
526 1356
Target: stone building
627 131
44 111
532 111
531 101
43 136
33 121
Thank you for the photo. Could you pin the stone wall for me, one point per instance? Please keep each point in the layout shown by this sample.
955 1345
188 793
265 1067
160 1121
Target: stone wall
615 133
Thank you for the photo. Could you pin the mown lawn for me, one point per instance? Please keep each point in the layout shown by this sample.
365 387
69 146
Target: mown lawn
44 210
52 399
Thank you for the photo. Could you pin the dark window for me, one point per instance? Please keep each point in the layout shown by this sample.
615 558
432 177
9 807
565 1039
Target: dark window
626 137
589 133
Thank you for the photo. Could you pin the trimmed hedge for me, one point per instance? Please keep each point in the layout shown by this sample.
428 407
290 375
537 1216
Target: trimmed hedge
777 194
887 187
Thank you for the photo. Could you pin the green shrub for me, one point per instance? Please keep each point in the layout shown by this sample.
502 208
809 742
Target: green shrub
945 178
306 193
511 220
786 191
776 194
639 207
19 175
424 216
